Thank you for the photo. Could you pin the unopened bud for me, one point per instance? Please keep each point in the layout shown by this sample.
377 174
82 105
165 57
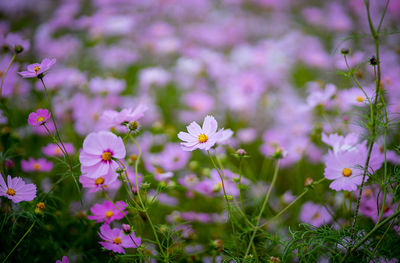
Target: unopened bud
241 152
18 49
119 170
274 260
133 126
145 185
373 61
217 244
344 51
308 181
40 207
126 228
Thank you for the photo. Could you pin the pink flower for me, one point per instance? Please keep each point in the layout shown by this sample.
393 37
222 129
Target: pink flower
314 214
39 165
203 137
17 190
38 70
39 117
52 149
116 240
98 153
346 167
64 260
114 119
103 182
107 212
17 43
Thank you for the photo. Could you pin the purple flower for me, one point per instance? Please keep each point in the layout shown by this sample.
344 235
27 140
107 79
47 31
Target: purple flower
52 149
17 190
314 214
107 212
117 120
98 153
64 260
116 240
39 165
38 70
39 117
203 137
17 43
108 181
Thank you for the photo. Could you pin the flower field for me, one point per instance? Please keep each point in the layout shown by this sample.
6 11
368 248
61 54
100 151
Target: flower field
199 131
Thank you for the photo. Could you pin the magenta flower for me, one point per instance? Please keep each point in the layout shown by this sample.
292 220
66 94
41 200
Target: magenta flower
103 182
107 212
203 137
17 190
116 240
118 120
64 260
39 165
39 117
98 153
314 214
52 149
38 70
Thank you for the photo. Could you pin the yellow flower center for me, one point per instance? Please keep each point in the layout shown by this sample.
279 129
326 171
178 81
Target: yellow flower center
347 172
360 99
109 214
11 192
58 151
106 156
202 138
36 69
367 192
40 119
117 240
316 216
99 181
159 170
36 166
133 157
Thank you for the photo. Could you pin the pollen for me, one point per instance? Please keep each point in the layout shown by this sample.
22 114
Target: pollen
40 119
347 172
99 181
117 240
36 166
106 156
36 69
109 214
202 138
360 99
11 192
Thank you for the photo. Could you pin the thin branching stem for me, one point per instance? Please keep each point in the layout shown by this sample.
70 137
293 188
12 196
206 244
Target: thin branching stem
19 242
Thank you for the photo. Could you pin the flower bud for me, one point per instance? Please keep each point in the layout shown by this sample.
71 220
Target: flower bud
373 61
119 170
126 228
308 181
40 207
133 126
18 49
274 260
241 152
345 51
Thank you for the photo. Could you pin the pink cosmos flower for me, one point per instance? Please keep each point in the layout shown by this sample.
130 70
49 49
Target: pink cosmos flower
341 143
98 153
17 43
369 203
203 137
17 190
314 214
108 181
52 149
116 240
39 165
346 167
107 212
38 70
64 260
114 119
39 117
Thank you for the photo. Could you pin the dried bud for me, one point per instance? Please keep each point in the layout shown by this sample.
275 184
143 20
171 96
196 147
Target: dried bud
308 181
373 61
126 228
133 126
345 51
40 207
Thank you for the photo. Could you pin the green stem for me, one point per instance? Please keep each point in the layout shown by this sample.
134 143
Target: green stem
22 238
140 198
5 73
275 176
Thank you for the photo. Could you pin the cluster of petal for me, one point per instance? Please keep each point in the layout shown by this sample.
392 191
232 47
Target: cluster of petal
203 137
107 212
63 260
98 153
314 214
38 69
104 182
16 189
52 149
111 119
39 117
116 240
